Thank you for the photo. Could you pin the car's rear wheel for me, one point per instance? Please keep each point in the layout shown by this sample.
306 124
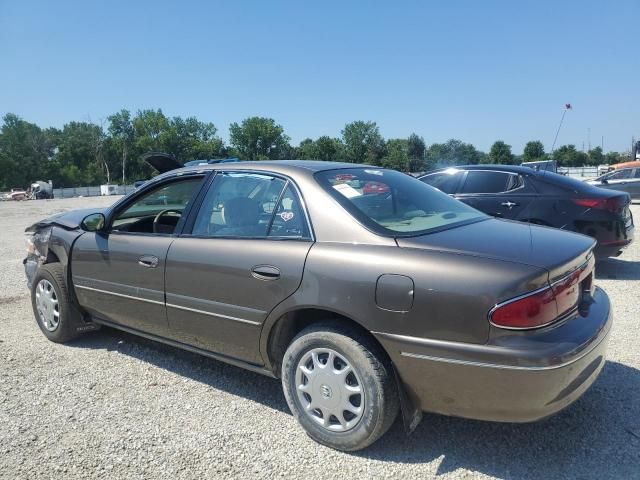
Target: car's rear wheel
340 386
50 299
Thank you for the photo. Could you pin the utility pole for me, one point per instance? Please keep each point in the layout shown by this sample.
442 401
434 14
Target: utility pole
589 137
567 106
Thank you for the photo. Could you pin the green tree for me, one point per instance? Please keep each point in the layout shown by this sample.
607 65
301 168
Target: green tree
306 150
24 152
259 138
612 158
122 131
77 161
329 149
363 143
568 156
324 148
533 151
500 154
453 152
596 157
397 154
416 149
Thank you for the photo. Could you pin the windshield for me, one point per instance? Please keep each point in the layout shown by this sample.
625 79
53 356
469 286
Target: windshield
392 203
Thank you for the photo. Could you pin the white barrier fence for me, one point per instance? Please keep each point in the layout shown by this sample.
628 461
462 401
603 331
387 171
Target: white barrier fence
84 191
89 191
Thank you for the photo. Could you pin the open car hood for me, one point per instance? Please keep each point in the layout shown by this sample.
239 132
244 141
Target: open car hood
162 162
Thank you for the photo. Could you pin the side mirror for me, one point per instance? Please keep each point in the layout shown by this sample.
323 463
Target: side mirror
604 181
93 222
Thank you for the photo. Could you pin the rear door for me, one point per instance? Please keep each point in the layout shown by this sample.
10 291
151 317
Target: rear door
243 255
498 193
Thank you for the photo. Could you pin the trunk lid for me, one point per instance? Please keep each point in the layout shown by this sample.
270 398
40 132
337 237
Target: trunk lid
162 162
557 251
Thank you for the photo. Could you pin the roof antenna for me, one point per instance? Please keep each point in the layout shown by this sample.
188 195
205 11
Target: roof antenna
567 106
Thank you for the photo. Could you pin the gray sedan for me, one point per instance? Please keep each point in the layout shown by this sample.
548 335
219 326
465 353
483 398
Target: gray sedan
366 291
622 180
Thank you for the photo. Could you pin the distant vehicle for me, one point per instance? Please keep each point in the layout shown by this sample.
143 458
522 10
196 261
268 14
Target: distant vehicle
18 194
41 190
108 190
543 198
635 159
546 165
622 180
212 161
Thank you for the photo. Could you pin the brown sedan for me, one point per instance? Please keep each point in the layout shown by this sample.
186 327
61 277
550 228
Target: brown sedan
366 291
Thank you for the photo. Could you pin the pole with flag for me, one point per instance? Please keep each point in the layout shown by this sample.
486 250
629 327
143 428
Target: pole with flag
567 107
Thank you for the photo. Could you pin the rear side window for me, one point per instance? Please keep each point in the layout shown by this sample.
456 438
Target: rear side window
238 205
482 181
289 220
251 205
446 181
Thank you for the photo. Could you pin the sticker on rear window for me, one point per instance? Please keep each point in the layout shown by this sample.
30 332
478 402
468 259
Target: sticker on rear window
347 190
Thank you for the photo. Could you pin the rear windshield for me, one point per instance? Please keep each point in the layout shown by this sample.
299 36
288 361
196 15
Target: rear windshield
392 203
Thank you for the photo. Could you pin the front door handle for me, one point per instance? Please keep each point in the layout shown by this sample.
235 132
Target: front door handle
509 205
265 272
148 261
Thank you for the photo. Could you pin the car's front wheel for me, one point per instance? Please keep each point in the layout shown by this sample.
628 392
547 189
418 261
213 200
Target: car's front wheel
340 386
50 299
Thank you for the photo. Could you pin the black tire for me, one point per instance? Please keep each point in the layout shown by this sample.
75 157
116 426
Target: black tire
374 372
69 318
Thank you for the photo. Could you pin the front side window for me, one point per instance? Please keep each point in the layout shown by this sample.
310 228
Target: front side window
392 203
446 181
619 174
250 205
159 210
484 181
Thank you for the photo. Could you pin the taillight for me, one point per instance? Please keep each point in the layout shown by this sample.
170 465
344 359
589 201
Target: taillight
609 204
531 311
541 307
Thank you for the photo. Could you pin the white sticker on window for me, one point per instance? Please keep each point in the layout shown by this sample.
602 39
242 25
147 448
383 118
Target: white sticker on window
347 190
286 216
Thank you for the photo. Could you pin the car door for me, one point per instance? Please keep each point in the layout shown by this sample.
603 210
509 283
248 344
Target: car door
620 180
244 253
118 273
498 193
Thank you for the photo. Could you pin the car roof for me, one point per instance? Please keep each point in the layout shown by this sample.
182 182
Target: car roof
504 168
277 166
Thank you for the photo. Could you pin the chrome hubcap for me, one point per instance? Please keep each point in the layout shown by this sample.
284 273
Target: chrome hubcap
329 390
47 305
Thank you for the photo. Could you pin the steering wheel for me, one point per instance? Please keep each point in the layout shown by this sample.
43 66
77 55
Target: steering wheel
156 219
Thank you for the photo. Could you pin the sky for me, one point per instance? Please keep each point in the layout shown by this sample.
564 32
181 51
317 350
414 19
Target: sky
476 71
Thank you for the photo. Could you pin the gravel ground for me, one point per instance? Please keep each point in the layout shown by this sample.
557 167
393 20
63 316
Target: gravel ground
112 405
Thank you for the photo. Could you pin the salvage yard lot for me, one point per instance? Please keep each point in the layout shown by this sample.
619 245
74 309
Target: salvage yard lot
112 405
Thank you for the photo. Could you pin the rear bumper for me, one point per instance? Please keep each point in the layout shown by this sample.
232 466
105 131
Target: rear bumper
515 378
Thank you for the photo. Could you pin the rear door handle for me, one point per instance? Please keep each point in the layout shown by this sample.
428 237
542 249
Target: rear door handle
509 204
148 261
265 272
